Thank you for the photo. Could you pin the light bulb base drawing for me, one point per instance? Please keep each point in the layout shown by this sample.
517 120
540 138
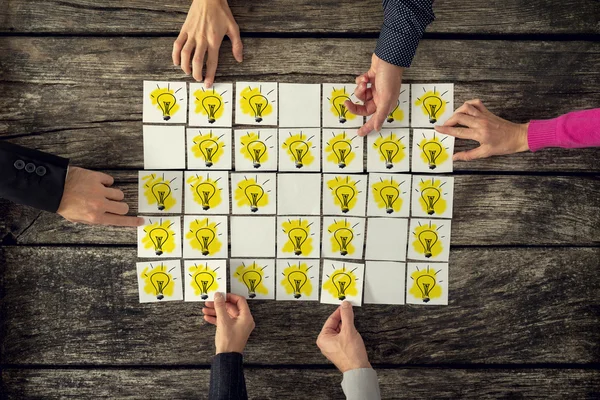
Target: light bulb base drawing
430 212
253 209
211 120
344 252
428 254
205 252
258 119
161 207
389 210
345 209
204 296
158 252
390 119
342 297
297 295
252 295
432 166
166 117
389 165
206 207
432 120
342 164
208 164
342 120
426 299
299 164
160 297
298 252
256 165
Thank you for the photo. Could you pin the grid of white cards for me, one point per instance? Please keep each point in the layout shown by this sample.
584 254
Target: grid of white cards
304 167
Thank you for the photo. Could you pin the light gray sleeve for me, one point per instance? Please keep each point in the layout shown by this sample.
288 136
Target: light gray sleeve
361 384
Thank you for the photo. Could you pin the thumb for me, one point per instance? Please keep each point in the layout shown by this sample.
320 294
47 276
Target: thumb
347 315
237 48
220 307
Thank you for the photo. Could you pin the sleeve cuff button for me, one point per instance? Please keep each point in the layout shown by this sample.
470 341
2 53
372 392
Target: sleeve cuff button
30 167
41 171
19 164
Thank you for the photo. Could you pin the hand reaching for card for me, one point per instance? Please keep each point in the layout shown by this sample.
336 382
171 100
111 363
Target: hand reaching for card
341 343
208 21
381 98
233 320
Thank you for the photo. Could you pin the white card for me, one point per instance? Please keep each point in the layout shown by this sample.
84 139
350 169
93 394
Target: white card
388 151
429 239
298 280
256 150
299 194
211 107
298 237
344 194
253 236
389 195
343 237
256 103
160 192
427 284
343 151
253 279
209 149
165 102
432 151
399 117
342 281
204 237
432 104
384 282
335 113
299 105
160 237
159 281
164 147
300 150
254 193
206 192
432 196
386 239
204 278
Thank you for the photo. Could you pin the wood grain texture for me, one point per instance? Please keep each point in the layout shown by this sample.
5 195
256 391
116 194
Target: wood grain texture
310 16
86 104
417 383
79 306
488 210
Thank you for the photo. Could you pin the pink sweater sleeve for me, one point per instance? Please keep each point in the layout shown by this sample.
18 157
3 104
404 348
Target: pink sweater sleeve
573 130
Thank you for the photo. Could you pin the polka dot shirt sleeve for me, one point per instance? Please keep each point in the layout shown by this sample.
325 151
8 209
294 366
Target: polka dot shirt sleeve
404 22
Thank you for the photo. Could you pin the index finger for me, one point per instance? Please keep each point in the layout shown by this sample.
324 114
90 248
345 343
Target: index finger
120 220
333 322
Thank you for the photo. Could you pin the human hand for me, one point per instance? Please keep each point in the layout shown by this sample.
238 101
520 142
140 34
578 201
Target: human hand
381 98
341 343
207 22
88 198
233 320
496 136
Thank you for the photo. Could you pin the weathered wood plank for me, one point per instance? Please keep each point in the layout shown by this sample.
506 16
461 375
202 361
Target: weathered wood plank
489 210
86 103
418 383
79 306
322 16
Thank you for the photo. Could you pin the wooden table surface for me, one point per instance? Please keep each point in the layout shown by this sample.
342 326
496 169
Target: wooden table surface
523 318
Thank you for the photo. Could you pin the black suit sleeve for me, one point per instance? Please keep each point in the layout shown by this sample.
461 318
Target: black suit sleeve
227 378
32 177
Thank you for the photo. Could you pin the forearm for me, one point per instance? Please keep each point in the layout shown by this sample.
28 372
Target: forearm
361 384
404 22
32 177
227 377
573 130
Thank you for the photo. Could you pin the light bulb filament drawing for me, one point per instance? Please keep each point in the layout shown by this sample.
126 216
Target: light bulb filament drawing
297 236
389 150
428 239
204 280
342 150
345 194
432 151
425 283
433 104
205 237
254 193
258 103
342 281
252 279
208 148
211 105
297 279
161 192
158 236
166 102
389 195
431 196
159 281
299 149
343 237
257 149
206 191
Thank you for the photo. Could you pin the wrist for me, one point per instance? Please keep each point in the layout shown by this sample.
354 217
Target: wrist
523 139
358 365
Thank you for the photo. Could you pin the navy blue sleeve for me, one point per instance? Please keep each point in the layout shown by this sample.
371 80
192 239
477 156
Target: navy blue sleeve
32 177
227 378
404 22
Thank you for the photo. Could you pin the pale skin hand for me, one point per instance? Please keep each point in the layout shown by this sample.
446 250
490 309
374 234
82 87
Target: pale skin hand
233 320
88 198
341 343
496 136
207 22
381 98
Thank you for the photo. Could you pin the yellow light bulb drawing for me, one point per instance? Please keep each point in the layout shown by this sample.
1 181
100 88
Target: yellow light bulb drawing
252 277
158 236
341 283
390 117
342 150
337 99
299 149
204 280
431 196
209 148
166 102
432 151
257 150
389 195
159 280
297 280
210 103
343 237
255 103
432 104
389 150
428 239
206 191
258 103
345 194
254 193
161 192
339 150
425 284
297 236
205 237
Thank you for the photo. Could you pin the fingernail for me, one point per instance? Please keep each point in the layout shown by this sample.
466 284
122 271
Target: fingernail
346 304
218 296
